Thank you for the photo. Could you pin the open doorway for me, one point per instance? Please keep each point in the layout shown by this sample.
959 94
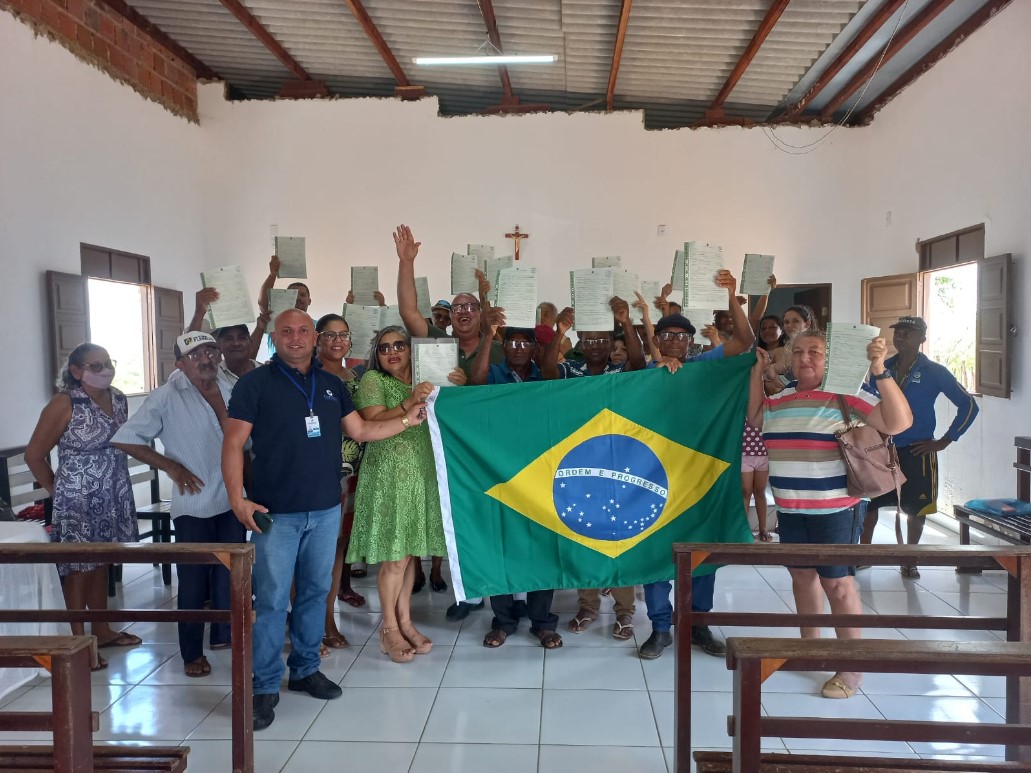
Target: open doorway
815 296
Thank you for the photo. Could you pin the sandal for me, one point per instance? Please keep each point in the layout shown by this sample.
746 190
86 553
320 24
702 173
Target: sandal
623 627
100 665
549 639
582 621
350 596
121 639
222 645
399 651
835 687
359 572
494 638
420 643
197 668
765 536
438 585
324 651
335 640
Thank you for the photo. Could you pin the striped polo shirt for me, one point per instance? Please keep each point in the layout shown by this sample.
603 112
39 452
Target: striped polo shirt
807 471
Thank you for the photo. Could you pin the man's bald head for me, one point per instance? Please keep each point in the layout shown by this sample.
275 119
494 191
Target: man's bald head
291 317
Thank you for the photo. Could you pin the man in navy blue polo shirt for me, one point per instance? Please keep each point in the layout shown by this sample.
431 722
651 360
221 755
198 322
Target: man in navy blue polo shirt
921 381
294 413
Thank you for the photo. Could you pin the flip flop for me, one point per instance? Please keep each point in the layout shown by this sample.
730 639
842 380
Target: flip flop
582 621
359 572
548 639
349 596
494 638
765 536
100 665
202 663
623 627
121 639
335 640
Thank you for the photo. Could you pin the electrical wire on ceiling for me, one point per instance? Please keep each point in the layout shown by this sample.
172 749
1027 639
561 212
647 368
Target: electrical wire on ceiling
800 150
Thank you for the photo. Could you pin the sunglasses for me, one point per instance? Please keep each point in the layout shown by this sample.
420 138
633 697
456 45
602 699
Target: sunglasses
397 346
671 336
467 307
331 335
97 367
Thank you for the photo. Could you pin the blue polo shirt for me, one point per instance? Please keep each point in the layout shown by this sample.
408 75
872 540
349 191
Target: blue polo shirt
292 472
502 374
925 381
715 353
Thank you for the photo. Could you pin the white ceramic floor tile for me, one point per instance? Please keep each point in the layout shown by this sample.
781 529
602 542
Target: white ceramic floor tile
269 756
388 714
912 601
294 715
616 717
814 705
738 577
601 759
39 698
594 667
482 667
984 686
913 684
990 604
484 715
474 758
328 755
374 669
133 665
171 671
159 712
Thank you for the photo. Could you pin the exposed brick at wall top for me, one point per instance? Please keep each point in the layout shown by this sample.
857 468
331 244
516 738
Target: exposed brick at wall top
98 35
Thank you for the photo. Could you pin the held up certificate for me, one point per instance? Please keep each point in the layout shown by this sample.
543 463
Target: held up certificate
281 300
463 274
610 261
364 284
422 296
755 275
624 285
481 252
363 322
433 359
517 295
701 264
491 267
651 290
846 357
591 290
290 251
233 306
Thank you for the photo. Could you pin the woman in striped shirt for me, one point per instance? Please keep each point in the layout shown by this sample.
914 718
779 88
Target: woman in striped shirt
808 477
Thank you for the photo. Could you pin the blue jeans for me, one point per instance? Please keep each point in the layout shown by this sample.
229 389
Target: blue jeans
298 549
660 608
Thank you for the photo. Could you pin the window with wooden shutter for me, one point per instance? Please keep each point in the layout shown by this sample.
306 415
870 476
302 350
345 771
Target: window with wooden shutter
68 312
994 314
168 325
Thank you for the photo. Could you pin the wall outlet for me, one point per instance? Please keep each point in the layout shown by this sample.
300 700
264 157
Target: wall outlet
660 230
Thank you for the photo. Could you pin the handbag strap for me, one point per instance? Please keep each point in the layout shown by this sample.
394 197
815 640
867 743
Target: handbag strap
845 413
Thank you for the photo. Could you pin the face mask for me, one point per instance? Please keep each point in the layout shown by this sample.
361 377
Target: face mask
100 380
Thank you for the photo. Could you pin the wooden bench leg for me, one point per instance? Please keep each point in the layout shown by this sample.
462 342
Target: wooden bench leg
747 711
73 727
964 539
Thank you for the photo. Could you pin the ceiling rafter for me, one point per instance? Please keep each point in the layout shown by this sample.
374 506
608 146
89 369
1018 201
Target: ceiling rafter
255 27
957 36
617 53
773 13
491 21
144 24
404 89
863 37
914 27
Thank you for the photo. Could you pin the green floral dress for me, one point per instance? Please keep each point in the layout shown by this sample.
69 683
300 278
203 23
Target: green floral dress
397 510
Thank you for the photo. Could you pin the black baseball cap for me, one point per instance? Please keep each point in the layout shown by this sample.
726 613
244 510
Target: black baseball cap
913 323
674 320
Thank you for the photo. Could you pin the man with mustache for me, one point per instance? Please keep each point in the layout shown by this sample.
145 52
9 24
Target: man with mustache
187 412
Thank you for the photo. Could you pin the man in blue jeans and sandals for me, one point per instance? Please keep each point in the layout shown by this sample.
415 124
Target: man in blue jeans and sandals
294 414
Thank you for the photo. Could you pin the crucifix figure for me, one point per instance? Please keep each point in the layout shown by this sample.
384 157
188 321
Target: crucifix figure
518 236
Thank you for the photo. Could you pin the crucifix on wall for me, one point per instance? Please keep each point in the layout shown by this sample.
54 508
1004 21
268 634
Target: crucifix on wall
517 236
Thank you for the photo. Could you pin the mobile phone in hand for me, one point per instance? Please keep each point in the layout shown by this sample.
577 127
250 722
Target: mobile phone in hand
263 521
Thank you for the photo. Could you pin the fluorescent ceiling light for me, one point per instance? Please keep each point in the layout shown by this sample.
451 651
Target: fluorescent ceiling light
488 60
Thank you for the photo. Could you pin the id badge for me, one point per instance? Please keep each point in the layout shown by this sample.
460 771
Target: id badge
311 426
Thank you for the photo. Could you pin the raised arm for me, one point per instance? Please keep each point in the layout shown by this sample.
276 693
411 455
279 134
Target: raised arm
270 280
649 328
892 414
204 297
260 326
549 359
743 335
407 299
760 306
756 395
621 312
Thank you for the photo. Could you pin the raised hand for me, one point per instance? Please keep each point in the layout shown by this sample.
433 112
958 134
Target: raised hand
484 283
350 297
876 350
405 244
564 321
495 319
726 280
641 304
380 300
458 377
620 310
273 265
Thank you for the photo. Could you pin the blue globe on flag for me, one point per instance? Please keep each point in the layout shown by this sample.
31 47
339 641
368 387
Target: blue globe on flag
610 487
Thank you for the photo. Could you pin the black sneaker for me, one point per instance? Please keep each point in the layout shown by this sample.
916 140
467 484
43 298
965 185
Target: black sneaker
461 610
317 685
655 644
263 709
702 637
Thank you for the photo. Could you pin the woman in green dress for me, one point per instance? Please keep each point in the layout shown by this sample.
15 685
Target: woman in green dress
397 510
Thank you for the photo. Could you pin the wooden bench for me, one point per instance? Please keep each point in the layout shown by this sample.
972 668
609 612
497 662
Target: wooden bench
722 762
1016 622
104 759
18 486
753 660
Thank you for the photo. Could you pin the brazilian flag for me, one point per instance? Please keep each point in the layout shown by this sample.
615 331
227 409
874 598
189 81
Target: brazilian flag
588 482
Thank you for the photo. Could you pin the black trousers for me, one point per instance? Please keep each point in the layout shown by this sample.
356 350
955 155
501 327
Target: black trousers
538 609
200 582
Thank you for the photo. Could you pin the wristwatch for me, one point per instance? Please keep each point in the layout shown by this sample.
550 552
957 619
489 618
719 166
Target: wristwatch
406 422
881 376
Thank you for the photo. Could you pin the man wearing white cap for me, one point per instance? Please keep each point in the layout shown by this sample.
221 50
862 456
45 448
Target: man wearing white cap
187 413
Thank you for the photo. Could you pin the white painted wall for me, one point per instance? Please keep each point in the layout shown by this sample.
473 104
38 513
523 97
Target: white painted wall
82 159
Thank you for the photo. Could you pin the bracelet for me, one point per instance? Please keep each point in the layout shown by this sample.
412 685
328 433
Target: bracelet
404 420
880 376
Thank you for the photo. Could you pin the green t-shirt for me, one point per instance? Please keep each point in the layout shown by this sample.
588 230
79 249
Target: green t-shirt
497 351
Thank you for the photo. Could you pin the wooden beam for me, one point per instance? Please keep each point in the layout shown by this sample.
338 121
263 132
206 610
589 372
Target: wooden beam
914 27
255 27
516 108
374 36
144 24
863 37
766 26
957 36
617 53
489 19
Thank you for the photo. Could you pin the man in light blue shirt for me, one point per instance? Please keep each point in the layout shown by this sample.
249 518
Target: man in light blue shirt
186 413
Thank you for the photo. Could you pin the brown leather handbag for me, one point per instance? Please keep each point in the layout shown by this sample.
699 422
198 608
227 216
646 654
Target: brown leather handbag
871 461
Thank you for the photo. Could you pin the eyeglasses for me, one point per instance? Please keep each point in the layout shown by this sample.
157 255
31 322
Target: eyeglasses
397 346
460 307
668 335
331 335
205 352
520 344
595 341
96 367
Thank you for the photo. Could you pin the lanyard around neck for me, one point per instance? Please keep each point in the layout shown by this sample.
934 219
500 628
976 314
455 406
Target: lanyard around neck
300 388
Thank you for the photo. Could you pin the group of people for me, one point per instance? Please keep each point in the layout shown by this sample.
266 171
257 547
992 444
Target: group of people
328 463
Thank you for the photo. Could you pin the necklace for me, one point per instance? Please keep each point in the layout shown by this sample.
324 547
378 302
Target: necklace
901 377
